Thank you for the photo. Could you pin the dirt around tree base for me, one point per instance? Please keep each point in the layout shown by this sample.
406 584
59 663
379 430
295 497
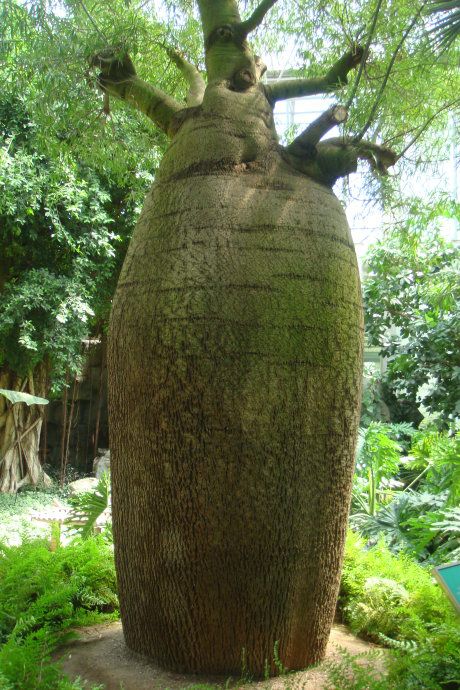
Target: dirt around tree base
100 656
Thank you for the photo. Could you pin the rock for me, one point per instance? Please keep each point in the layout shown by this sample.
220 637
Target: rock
81 486
101 464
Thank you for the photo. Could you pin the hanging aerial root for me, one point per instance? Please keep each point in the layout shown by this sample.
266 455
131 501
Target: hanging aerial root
118 78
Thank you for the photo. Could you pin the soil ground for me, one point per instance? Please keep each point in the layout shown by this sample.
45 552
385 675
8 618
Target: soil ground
100 656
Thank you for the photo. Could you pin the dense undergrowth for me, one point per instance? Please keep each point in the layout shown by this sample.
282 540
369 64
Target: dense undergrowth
386 598
393 601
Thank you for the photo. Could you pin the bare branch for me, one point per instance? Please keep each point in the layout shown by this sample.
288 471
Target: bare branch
334 78
340 156
388 72
118 78
365 54
295 88
256 17
197 84
317 129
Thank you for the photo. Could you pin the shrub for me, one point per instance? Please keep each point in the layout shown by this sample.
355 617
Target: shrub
433 664
393 600
426 605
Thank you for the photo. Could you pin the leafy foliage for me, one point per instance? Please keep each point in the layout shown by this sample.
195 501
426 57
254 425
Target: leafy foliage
50 50
432 664
438 456
415 609
446 27
412 309
393 601
47 52
373 408
15 512
87 507
42 594
18 397
63 230
378 457
408 500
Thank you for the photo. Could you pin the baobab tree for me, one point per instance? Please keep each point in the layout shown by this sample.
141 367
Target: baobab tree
235 363
236 330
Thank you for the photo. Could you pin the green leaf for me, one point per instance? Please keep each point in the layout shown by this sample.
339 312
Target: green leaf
17 397
87 507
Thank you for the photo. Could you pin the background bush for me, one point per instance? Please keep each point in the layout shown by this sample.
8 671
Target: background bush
392 600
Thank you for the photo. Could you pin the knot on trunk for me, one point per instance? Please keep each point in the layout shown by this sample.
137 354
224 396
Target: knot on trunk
244 79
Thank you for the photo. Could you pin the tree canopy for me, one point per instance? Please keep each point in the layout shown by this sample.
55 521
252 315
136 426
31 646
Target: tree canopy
399 95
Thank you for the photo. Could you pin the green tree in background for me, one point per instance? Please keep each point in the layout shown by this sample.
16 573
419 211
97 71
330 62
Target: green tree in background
63 229
412 307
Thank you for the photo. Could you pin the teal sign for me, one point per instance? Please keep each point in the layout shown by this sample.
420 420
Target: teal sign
448 577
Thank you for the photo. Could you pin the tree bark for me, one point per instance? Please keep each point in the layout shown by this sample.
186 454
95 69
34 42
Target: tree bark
235 357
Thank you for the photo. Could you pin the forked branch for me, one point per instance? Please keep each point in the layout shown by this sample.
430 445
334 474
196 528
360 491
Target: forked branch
334 78
256 17
197 84
337 157
118 78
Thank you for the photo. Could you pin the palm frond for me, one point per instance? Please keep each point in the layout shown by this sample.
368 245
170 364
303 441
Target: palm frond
446 22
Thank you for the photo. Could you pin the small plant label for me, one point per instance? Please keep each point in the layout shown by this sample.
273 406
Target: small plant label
448 577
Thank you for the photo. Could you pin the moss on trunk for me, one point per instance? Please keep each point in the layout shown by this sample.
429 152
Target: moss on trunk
234 382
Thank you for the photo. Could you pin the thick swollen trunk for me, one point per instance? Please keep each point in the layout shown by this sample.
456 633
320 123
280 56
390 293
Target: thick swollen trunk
234 374
20 429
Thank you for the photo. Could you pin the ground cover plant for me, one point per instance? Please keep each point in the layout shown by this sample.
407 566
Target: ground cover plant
387 598
43 594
